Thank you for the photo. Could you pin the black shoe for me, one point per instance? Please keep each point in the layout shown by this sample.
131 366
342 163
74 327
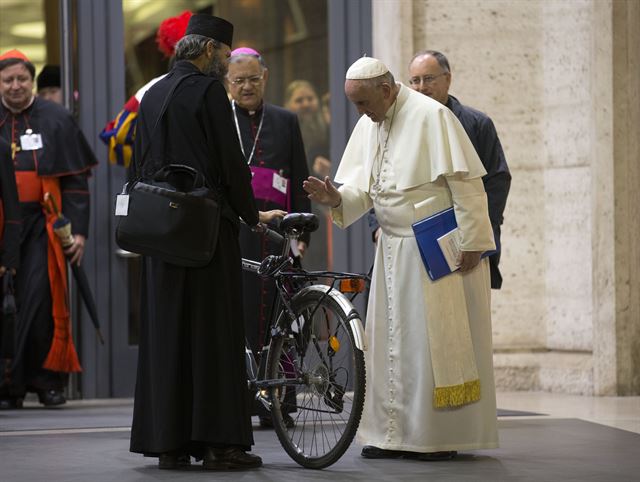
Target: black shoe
436 456
266 422
51 398
231 458
172 461
10 403
371 452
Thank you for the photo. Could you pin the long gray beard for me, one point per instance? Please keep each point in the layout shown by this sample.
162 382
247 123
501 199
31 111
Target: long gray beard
216 69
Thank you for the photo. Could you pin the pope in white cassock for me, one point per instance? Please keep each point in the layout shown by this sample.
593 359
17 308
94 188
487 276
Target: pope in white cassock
430 388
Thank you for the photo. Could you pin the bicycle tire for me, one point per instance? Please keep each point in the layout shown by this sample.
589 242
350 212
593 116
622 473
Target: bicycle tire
321 358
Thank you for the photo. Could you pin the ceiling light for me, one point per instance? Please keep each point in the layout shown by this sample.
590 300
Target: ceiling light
34 30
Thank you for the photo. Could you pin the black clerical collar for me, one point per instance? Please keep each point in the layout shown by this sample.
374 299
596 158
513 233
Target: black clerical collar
250 113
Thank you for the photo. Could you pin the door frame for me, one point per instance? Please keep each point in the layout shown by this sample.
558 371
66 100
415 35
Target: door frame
109 370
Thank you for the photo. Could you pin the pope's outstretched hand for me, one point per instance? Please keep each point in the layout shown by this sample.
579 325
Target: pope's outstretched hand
322 192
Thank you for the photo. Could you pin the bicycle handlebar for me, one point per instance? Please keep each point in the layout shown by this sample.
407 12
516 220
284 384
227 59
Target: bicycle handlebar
267 231
273 235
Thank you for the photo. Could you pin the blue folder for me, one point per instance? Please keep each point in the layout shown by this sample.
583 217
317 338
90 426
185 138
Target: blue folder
427 232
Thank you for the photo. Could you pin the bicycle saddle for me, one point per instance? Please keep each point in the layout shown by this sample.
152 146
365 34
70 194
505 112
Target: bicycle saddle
300 222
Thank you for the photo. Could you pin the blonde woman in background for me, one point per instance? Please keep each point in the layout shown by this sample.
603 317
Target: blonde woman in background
302 99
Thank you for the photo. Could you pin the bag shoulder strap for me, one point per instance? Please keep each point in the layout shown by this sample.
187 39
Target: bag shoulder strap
163 109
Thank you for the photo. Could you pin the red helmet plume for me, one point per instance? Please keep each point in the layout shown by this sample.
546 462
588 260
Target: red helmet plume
170 31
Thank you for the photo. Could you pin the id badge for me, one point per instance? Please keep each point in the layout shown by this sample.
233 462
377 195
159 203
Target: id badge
280 183
122 205
30 141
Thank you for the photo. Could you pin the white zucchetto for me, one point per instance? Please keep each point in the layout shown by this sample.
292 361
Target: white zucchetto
366 68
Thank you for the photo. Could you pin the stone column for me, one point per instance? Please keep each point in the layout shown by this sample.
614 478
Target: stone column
625 68
615 74
393 35
603 204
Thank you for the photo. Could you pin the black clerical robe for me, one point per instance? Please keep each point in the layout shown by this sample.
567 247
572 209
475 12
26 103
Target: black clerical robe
58 162
191 382
279 151
65 155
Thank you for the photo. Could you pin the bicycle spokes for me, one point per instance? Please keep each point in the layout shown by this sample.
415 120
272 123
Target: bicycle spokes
327 380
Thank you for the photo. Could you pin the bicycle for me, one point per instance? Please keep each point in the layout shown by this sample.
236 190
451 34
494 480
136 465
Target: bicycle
311 365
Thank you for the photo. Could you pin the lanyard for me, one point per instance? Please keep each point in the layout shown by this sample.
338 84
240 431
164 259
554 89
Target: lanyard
255 141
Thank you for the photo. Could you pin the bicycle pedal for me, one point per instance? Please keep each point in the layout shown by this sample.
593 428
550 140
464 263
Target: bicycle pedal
264 399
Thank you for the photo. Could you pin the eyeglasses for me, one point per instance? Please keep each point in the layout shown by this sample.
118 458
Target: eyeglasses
253 80
427 79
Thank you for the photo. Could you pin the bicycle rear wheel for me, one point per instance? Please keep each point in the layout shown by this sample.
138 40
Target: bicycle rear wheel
319 359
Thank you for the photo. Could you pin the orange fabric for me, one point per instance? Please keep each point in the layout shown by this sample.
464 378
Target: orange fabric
13 54
29 186
62 356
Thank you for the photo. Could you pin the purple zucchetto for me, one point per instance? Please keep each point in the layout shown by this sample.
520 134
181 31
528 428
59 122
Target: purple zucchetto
215 28
245 51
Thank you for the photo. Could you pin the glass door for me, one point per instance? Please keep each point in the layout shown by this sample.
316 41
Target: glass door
292 37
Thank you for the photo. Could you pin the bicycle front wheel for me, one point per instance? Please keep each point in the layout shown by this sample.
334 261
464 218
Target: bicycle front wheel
320 362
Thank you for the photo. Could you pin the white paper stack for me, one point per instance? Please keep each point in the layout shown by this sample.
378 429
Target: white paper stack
450 245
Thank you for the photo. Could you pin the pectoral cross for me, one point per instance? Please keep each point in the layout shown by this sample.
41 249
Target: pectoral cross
14 149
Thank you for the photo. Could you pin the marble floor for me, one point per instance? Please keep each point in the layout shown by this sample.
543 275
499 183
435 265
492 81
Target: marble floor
617 412
543 437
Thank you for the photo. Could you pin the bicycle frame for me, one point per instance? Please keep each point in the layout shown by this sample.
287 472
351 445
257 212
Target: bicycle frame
287 281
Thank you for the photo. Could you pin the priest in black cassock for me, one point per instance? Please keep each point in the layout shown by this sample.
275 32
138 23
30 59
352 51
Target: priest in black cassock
49 154
191 387
272 145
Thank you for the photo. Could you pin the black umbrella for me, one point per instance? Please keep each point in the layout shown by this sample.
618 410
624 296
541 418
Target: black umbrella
62 228
85 293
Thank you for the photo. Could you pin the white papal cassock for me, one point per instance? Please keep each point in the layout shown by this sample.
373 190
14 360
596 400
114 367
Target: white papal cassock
428 165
